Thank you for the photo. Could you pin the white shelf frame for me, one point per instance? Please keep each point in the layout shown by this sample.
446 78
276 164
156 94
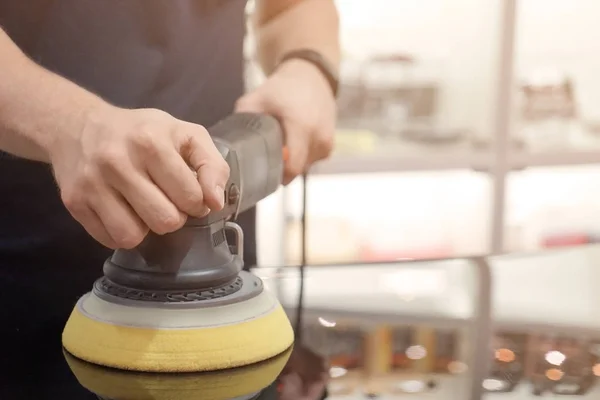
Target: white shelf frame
500 167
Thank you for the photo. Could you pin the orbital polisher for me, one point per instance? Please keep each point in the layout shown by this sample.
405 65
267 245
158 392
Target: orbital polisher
180 302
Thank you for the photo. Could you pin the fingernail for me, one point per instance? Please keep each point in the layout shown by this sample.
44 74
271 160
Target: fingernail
220 195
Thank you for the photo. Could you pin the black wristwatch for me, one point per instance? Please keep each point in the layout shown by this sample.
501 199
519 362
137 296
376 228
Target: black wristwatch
317 59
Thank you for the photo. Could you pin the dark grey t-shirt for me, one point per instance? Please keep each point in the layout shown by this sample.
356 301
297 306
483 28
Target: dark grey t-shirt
181 56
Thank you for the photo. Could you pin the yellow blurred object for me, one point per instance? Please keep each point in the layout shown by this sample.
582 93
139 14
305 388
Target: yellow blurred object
355 141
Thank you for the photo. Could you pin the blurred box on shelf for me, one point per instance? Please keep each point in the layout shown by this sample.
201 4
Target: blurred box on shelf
329 241
335 240
386 217
552 207
396 97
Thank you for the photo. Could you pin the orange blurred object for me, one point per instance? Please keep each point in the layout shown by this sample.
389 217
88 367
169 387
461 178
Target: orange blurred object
505 355
554 374
286 154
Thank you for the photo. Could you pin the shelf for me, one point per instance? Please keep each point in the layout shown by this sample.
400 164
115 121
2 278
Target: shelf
440 293
361 150
554 291
382 163
424 159
524 159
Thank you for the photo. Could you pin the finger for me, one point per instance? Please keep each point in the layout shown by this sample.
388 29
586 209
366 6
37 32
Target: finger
178 182
154 208
94 226
296 142
251 103
198 149
320 148
125 228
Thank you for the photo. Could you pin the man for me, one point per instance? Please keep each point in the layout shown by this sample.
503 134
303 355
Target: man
103 110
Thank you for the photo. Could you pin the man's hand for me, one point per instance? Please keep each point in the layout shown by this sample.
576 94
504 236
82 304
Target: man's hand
300 97
130 171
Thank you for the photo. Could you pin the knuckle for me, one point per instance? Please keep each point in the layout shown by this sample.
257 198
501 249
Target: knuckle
128 236
73 199
194 198
152 114
192 201
75 195
158 114
144 139
294 169
325 144
223 169
107 158
169 223
88 179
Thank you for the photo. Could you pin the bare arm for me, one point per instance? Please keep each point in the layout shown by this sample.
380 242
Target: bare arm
285 25
121 172
36 104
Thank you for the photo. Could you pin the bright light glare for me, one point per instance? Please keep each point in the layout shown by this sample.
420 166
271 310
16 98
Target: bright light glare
416 352
326 324
413 386
337 372
493 385
555 357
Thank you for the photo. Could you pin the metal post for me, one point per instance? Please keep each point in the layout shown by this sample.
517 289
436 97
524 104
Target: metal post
501 133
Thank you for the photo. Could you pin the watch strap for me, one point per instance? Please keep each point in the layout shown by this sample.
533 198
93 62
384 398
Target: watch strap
317 59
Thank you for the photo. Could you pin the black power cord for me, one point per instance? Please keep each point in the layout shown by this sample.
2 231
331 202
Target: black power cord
303 256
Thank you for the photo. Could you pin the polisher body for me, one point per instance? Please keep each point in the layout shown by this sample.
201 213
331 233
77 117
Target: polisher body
181 302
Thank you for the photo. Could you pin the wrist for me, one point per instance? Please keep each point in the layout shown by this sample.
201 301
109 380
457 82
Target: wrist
315 62
79 114
305 72
60 112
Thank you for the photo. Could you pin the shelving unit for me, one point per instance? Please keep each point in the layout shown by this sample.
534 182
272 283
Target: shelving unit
427 295
492 46
549 295
553 292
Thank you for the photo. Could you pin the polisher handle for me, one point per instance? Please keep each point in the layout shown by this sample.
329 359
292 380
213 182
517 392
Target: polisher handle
253 146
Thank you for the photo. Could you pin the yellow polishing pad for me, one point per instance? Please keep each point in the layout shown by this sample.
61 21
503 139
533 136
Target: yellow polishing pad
155 339
219 385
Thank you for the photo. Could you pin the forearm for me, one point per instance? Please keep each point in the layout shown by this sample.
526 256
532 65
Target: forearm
283 26
36 105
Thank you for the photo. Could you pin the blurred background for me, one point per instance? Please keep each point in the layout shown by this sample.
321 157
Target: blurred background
466 128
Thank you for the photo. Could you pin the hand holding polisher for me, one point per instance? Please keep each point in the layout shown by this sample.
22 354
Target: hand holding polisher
180 302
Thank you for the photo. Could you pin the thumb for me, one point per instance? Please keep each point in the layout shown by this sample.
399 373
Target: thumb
297 155
250 103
